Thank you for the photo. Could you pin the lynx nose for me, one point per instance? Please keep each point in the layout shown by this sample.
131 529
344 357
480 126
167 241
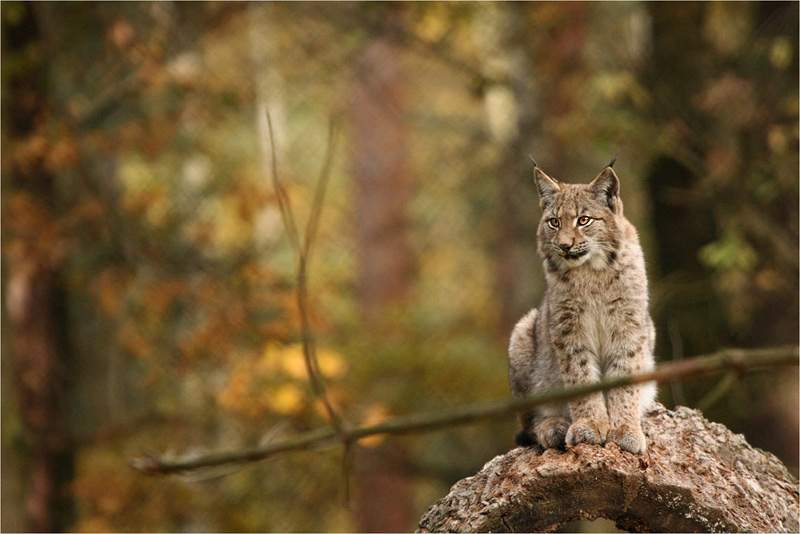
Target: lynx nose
565 247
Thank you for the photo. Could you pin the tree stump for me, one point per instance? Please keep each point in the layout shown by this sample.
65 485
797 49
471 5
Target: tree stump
696 476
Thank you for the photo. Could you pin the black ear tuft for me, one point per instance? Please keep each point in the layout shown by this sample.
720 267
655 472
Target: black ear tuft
606 187
547 187
613 161
535 165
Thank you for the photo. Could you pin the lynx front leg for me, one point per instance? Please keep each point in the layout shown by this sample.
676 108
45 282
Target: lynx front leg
623 405
543 428
589 415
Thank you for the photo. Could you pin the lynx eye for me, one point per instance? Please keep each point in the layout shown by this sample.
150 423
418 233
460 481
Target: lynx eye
584 220
554 223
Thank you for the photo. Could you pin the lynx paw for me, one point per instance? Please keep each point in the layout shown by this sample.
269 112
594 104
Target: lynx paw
589 431
523 439
628 438
552 432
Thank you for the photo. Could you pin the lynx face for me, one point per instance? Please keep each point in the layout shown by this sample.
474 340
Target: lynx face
578 222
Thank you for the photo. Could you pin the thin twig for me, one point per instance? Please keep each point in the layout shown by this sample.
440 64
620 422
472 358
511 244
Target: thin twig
159 466
322 187
285 207
719 391
308 342
303 250
676 340
742 361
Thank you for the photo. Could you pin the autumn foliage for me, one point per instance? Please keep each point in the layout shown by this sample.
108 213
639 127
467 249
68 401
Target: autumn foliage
150 287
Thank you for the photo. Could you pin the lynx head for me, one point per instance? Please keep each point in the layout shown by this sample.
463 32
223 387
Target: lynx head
579 221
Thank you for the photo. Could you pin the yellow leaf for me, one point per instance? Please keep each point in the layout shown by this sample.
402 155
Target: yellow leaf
377 413
287 399
331 364
293 362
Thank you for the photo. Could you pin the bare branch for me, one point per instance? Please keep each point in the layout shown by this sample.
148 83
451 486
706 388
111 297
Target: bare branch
719 391
322 187
740 361
151 465
303 249
309 345
268 136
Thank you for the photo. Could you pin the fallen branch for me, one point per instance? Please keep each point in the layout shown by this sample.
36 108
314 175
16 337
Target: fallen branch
697 476
740 361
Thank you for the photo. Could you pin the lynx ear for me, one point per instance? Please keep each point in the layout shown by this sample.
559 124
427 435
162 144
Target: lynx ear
547 187
606 187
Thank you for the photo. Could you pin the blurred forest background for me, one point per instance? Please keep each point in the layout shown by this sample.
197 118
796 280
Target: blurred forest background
149 285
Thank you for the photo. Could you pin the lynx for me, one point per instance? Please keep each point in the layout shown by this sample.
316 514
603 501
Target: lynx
593 321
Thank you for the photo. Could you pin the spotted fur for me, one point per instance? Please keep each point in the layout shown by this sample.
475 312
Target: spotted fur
593 321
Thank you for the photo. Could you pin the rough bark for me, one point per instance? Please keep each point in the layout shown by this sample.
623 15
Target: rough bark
697 476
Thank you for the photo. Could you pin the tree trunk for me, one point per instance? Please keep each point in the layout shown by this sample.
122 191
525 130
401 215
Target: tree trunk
384 492
34 252
697 476
380 170
384 499
511 111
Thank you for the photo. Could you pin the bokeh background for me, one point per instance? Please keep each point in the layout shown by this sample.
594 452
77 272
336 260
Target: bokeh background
149 285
